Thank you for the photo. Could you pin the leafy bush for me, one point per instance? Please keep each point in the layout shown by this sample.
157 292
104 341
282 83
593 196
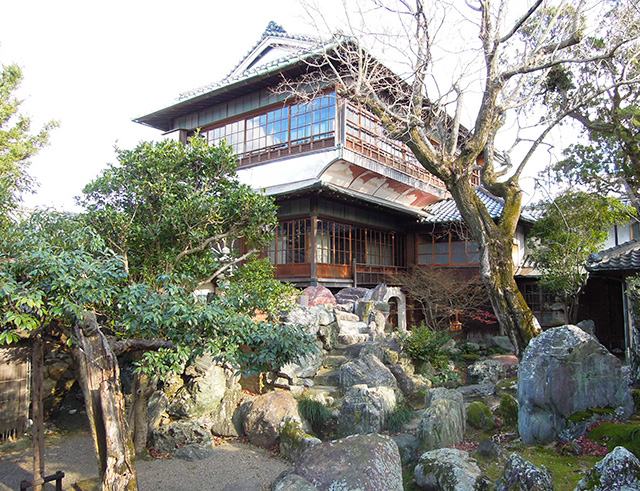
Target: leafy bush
425 345
508 409
315 413
479 416
401 415
446 378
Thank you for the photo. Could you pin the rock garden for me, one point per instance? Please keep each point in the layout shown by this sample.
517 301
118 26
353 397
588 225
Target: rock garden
379 409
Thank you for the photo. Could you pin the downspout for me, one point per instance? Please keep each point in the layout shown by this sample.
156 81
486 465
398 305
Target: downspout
628 322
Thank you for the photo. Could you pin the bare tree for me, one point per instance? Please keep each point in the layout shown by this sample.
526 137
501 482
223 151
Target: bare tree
445 62
444 295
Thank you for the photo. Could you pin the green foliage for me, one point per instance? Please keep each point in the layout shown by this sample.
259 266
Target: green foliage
479 416
17 144
426 345
52 269
446 377
635 393
612 435
508 409
315 413
253 289
176 209
572 226
400 416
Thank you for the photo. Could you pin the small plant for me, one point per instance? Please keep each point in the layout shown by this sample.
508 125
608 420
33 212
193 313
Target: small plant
446 378
401 415
426 345
315 413
508 409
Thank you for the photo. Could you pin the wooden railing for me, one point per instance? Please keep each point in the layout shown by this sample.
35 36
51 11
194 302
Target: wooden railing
370 274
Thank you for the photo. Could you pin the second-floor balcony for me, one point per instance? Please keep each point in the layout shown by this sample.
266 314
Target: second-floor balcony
327 121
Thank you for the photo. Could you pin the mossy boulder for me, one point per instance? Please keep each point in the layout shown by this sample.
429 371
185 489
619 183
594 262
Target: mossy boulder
563 371
479 416
294 441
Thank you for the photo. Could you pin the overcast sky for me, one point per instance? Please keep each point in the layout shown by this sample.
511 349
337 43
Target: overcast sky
94 66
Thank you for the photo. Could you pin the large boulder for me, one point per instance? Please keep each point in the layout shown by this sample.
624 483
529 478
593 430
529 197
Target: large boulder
443 422
293 482
487 371
226 420
202 394
307 318
365 409
359 462
316 295
351 330
519 474
351 294
448 469
377 294
267 415
619 469
563 371
307 366
169 438
294 441
367 370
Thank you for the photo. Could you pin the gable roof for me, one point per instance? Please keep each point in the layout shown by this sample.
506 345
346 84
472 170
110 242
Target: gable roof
623 257
446 211
261 66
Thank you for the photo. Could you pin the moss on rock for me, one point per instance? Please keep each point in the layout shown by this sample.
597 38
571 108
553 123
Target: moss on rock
479 416
508 409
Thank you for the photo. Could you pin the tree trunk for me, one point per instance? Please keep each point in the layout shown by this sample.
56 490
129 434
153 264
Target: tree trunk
37 413
495 241
138 418
99 377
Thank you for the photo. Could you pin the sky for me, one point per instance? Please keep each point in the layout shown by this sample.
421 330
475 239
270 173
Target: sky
94 66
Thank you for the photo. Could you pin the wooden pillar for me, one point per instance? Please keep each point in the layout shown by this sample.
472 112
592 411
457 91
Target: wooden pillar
37 375
313 257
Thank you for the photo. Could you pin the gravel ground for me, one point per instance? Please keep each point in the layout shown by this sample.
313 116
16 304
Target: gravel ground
232 466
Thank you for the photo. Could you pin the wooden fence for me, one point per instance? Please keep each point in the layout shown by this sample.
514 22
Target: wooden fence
14 390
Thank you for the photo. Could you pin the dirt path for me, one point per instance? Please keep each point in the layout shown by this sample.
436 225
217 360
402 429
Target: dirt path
231 467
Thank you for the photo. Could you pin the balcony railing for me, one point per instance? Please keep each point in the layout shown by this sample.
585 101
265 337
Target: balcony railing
369 274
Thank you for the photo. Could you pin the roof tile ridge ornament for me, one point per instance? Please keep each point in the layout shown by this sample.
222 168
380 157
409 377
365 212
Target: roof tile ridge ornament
273 28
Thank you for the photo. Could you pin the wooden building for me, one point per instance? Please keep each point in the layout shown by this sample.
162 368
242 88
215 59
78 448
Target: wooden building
354 205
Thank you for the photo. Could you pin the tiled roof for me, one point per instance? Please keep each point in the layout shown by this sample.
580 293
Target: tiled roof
272 30
446 211
619 258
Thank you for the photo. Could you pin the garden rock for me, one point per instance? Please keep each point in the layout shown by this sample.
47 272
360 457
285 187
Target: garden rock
408 383
476 391
168 438
267 415
316 295
443 423
619 470
563 371
326 315
448 469
307 366
378 294
359 462
351 294
587 326
487 371
203 392
365 409
293 482
408 445
367 370
193 452
226 420
304 317
519 474
156 409
294 441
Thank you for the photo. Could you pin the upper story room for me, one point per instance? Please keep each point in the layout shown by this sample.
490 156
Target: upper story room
284 143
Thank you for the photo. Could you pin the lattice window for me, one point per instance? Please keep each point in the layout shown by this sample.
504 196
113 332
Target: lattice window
291 242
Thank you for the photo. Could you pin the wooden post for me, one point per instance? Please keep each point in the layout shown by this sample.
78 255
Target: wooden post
37 376
99 377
